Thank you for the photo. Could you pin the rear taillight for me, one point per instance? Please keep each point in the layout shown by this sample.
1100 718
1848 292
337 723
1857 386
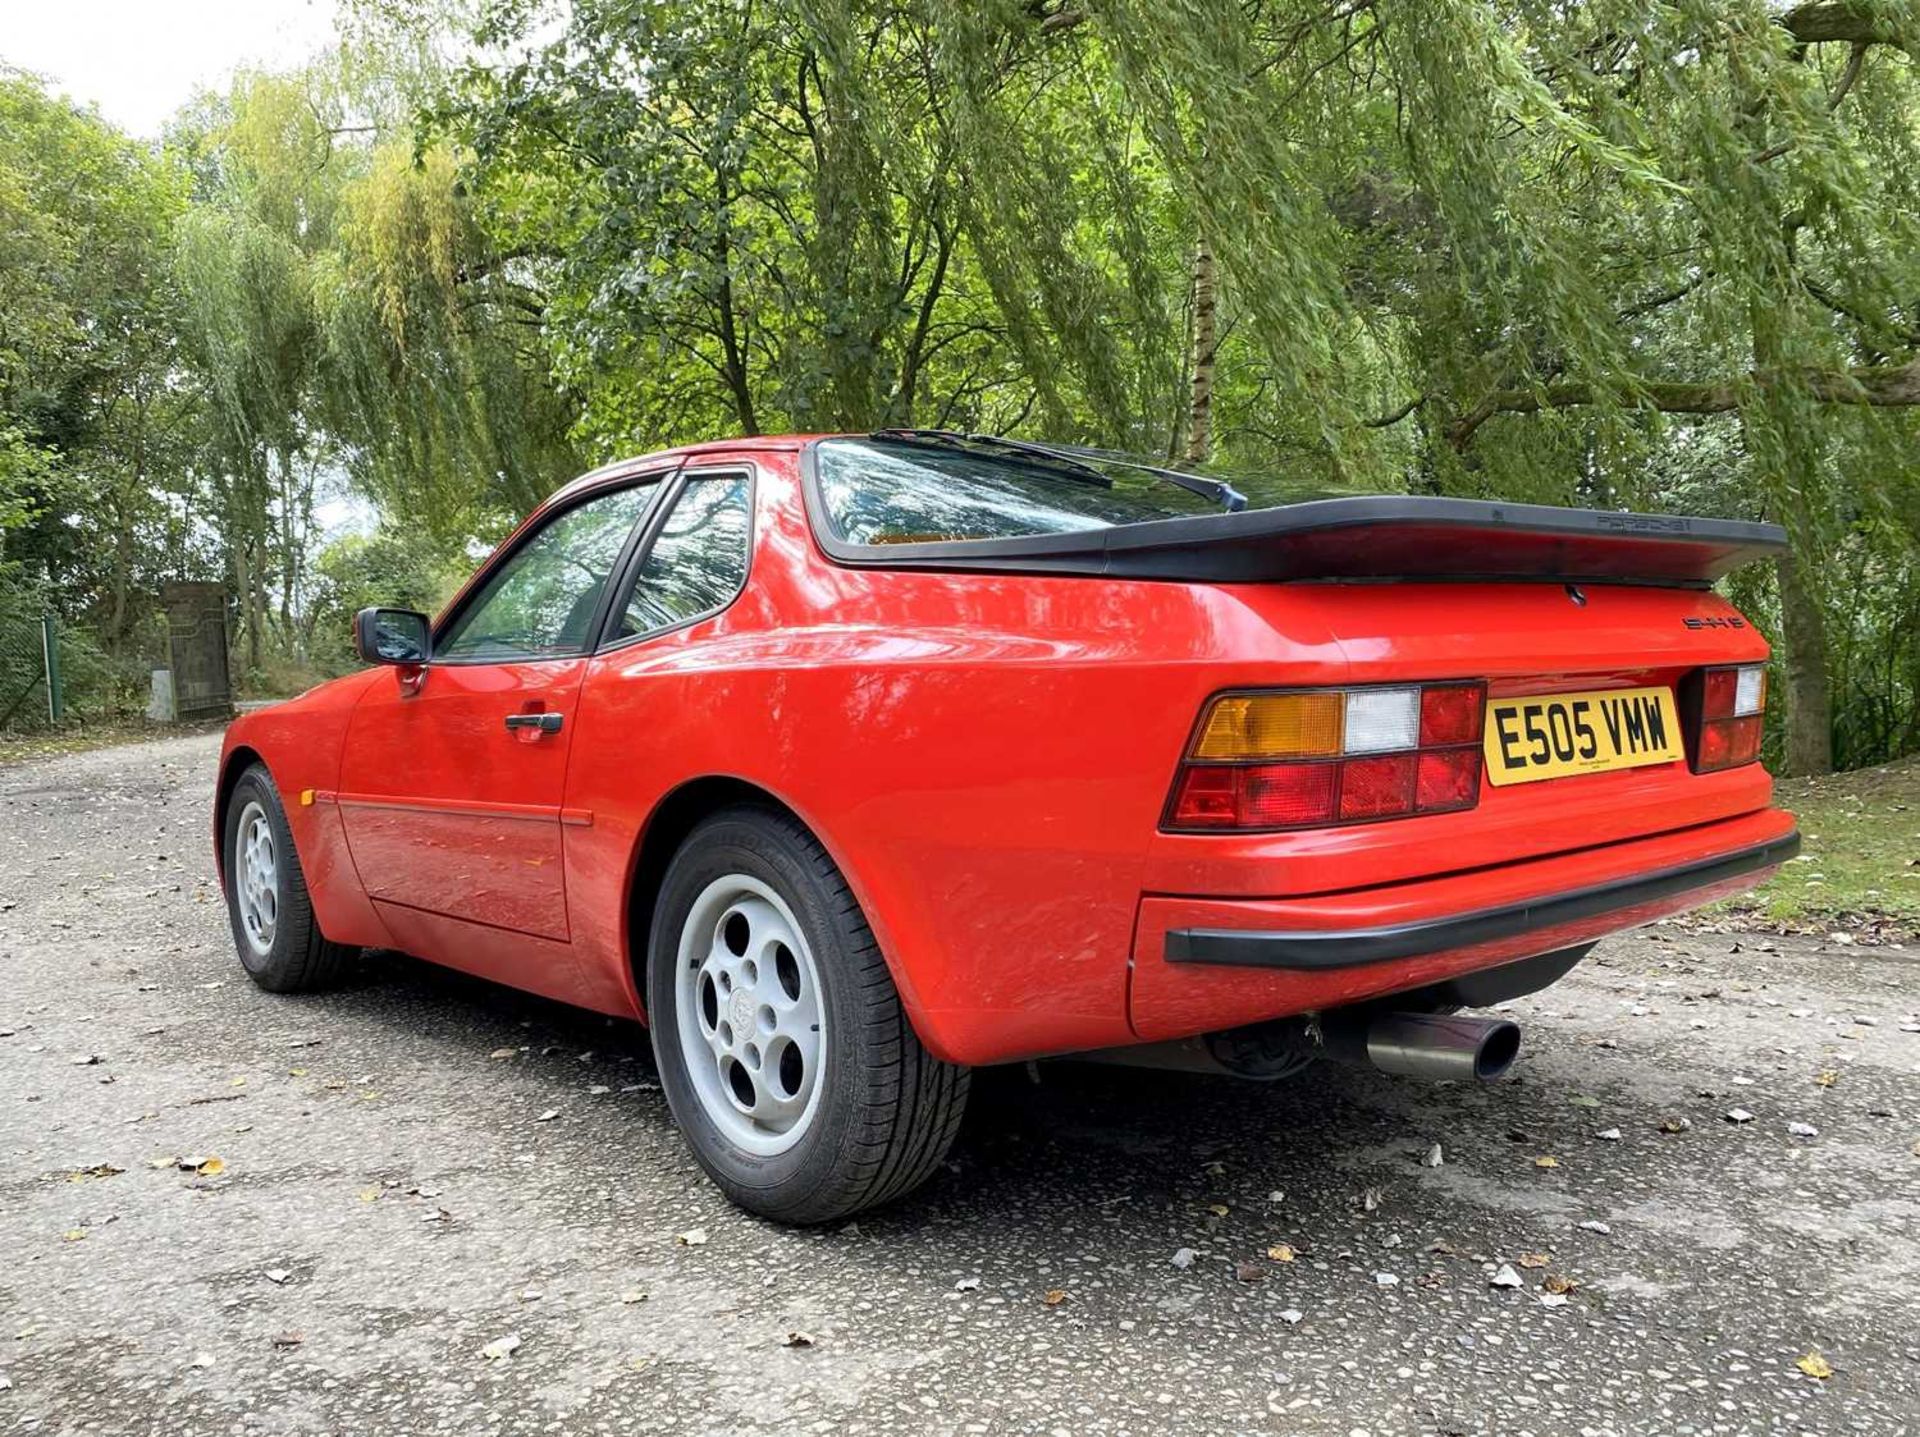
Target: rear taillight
1320 757
1728 709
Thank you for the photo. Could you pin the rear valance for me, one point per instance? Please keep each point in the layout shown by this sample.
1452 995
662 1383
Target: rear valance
1362 538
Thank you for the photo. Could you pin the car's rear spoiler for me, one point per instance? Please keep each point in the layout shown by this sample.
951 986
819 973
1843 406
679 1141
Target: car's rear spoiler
1364 538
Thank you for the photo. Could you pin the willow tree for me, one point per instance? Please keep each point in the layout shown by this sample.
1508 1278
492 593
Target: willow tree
434 367
1621 252
833 215
1577 236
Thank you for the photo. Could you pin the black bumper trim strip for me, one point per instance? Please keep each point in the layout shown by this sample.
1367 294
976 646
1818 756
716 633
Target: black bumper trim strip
1355 948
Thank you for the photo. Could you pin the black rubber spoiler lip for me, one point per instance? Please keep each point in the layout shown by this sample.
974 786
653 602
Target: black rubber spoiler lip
1394 536
1319 951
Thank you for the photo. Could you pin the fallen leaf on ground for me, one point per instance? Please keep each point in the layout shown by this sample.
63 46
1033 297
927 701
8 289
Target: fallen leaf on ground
1557 1283
1803 1130
1505 1277
1281 1252
967 1284
288 1339
1533 1259
1827 1077
692 1237
501 1347
1054 1296
633 1295
1814 1365
503 1053
1553 1299
74 1234
548 1116
1546 1162
798 1339
1183 1257
277 1275
1433 1157
1675 1123
369 1194
1291 1315
1608 1135
1218 1209
1738 1115
1250 1271
211 1168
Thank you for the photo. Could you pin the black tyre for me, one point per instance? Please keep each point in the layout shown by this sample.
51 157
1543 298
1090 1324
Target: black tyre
279 942
782 1045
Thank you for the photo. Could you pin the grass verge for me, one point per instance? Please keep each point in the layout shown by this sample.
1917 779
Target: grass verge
1859 868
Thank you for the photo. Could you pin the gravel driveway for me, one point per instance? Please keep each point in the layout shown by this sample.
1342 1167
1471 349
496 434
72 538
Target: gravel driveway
394 1177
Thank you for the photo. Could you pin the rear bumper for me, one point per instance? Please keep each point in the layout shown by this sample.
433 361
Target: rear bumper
1310 951
1202 964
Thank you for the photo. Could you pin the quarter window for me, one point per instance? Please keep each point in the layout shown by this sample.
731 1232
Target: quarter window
698 561
541 600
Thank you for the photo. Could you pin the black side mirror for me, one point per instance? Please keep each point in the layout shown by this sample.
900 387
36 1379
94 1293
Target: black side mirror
393 636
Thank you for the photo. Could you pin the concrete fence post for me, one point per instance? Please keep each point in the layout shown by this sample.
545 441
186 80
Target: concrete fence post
50 658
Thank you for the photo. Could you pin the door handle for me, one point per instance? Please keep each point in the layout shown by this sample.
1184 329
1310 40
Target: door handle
544 722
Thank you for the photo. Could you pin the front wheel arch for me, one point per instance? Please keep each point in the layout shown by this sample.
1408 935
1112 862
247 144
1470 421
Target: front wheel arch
233 768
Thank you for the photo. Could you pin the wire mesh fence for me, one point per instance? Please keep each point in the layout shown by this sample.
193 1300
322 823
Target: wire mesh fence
57 673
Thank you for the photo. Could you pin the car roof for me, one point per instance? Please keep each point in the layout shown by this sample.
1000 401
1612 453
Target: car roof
686 453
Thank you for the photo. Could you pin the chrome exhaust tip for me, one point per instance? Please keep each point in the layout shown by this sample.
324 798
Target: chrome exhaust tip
1442 1046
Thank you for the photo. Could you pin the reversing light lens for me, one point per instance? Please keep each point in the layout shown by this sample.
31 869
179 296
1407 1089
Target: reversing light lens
1750 690
1382 720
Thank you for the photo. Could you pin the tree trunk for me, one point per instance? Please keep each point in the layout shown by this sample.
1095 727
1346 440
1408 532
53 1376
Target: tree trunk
1809 692
1205 326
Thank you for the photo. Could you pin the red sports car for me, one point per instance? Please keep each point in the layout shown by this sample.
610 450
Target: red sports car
851 763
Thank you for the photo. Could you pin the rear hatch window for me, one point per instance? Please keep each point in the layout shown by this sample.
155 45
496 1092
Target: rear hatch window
907 491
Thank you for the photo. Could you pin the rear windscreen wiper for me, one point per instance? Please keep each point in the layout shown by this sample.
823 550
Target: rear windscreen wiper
1074 459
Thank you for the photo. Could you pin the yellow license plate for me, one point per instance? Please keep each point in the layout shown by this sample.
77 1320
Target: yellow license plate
1554 735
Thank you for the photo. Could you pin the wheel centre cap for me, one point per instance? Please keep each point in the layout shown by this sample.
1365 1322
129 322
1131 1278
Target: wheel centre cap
740 1009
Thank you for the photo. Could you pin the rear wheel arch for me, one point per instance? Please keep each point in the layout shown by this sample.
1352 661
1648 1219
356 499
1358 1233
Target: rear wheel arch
667 828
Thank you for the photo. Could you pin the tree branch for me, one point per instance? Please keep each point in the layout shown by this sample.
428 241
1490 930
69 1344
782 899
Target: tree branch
1827 20
1884 386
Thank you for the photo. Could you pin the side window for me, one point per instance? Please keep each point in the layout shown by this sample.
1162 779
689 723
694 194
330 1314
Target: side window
540 602
698 560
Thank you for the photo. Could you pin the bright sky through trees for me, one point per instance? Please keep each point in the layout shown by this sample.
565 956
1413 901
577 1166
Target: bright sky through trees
140 61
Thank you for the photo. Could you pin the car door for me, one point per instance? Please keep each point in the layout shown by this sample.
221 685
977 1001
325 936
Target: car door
453 774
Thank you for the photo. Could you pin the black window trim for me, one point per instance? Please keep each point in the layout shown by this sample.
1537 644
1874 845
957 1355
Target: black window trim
663 476
628 572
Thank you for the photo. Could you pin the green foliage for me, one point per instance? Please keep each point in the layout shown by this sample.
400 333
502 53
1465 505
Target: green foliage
1635 253
399 566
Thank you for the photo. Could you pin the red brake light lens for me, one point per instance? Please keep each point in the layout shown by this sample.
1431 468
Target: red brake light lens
1730 717
1377 787
1315 758
1449 780
1451 713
